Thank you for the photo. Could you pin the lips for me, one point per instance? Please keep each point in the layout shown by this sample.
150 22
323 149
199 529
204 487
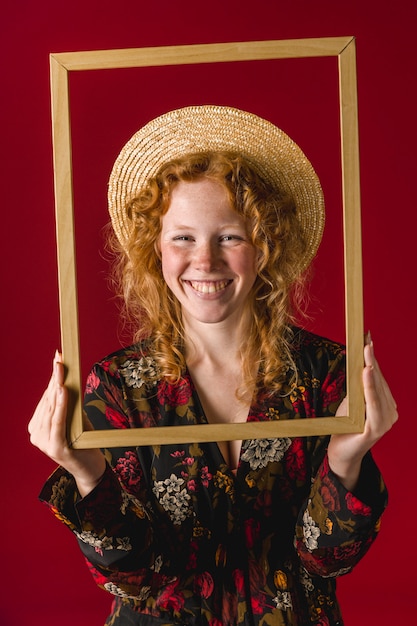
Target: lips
209 286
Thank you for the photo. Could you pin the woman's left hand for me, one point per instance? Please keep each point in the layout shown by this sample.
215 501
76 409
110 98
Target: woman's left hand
345 452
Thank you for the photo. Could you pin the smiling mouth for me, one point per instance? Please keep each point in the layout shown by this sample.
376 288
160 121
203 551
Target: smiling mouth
209 286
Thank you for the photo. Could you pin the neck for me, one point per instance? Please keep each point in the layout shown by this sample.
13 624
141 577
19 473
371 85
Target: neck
214 343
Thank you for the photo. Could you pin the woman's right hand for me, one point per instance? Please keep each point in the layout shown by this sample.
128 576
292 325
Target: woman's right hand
47 430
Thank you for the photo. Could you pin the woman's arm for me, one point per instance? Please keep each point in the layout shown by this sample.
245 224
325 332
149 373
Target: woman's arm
346 452
47 430
111 525
341 516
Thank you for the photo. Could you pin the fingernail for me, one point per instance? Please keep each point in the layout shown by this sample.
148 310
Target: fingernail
369 339
57 357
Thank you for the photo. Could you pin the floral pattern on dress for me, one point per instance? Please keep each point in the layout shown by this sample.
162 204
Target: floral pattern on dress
260 452
173 496
173 534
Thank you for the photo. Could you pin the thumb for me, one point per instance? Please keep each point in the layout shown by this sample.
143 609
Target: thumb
343 407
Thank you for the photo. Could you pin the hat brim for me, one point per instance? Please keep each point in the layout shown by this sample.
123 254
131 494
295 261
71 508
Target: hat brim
275 157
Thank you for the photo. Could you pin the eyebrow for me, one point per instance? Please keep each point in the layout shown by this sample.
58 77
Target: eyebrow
188 227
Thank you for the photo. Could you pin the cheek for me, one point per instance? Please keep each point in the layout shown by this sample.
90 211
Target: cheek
172 262
249 265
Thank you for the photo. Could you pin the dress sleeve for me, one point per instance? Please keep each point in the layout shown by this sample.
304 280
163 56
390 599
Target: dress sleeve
336 527
112 524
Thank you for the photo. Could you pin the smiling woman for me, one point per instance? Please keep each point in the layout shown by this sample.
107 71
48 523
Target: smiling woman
215 229
210 268
189 209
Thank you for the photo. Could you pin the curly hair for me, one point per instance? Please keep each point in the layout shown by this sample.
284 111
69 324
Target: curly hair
275 232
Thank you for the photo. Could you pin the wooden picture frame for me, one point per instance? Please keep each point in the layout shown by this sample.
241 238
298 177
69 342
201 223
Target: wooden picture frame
61 65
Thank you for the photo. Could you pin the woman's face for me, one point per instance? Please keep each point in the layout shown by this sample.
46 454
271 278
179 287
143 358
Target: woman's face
208 260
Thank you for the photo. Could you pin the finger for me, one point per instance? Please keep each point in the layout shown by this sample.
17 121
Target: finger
53 399
376 388
59 368
44 409
381 408
343 407
370 362
58 421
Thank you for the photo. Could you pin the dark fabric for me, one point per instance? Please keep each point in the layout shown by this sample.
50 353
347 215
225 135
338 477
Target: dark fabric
180 539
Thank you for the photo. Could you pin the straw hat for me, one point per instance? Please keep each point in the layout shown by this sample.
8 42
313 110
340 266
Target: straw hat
274 156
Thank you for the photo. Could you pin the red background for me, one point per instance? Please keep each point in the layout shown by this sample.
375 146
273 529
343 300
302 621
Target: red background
44 579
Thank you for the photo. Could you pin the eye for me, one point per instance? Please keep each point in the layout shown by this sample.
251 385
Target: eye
232 238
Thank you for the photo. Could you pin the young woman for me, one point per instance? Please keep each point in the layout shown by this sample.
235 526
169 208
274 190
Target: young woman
218 215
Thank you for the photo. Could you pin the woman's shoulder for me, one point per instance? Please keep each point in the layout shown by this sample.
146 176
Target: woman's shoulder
135 350
135 358
308 343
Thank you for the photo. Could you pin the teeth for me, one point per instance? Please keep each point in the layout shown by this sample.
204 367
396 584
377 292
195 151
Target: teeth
208 286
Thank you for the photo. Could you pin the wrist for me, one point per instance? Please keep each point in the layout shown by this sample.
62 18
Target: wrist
348 473
90 473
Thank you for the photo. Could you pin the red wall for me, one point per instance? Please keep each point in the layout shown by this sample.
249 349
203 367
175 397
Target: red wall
44 579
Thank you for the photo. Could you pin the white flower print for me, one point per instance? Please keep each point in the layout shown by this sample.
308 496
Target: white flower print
260 452
311 532
157 564
116 591
143 593
129 501
306 581
283 600
123 543
105 543
339 572
173 497
139 372
172 484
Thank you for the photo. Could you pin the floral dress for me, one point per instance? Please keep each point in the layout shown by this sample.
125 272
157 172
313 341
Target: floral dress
178 538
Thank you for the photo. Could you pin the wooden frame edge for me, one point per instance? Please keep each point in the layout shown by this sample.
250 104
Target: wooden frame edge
61 64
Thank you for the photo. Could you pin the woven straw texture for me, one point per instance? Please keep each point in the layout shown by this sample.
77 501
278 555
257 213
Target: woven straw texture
194 129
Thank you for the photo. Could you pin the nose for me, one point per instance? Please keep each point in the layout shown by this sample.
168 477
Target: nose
207 256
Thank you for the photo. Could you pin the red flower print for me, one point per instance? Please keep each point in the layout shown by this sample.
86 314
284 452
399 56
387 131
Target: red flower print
170 600
107 365
357 507
192 485
99 579
258 604
325 467
329 495
129 471
348 551
203 584
332 388
174 394
125 578
92 382
177 454
205 476
295 461
116 419
239 581
251 532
